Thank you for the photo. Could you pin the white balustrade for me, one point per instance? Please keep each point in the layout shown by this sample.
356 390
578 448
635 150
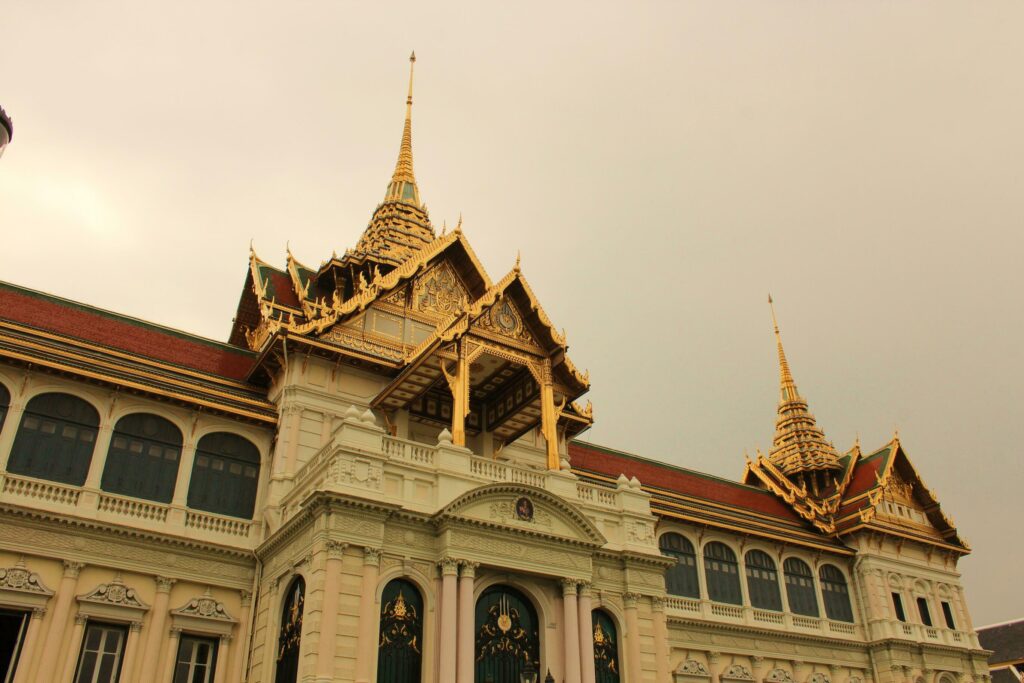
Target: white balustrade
217 523
133 507
41 490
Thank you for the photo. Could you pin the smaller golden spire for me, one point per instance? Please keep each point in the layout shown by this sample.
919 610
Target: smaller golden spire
787 384
403 181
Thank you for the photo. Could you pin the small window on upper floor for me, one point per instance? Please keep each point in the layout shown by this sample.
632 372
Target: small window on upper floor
721 571
947 612
922 609
225 475
142 460
5 403
835 594
55 439
682 578
897 604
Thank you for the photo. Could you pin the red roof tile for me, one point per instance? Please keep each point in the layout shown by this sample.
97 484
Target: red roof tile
680 481
71 319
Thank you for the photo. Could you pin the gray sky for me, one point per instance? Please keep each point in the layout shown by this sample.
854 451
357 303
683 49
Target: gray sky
661 166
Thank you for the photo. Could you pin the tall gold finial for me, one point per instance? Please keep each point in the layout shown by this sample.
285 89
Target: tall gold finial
787 384
403 182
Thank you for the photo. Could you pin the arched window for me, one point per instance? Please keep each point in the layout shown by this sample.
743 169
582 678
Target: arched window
682 578
143 458
763 581
5 402
400 650
507 635
606 648
803 599
224 475
55 439
722 574
835 594
290 636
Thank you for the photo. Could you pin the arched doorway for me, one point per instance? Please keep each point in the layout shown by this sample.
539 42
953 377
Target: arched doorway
507 635
606 648
400 650
290 637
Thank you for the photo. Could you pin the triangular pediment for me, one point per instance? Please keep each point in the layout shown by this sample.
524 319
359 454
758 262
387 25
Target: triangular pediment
524 508
504 320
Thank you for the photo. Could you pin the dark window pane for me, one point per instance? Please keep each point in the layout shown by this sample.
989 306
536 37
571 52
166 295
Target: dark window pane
800 587
219 480
722 574
135 464
835 594
897 603
922 609
763 581
55 439
682 578
947 612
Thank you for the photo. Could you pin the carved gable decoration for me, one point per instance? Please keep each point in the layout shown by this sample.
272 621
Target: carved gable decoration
819 678
112 600
439 291
737 672
779 676
204 607
19 578
526 508
504 319
693 669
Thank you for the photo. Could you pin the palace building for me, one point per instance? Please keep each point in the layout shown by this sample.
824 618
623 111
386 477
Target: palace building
376 478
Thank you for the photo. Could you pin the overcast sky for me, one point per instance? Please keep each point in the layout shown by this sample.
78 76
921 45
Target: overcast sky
661 167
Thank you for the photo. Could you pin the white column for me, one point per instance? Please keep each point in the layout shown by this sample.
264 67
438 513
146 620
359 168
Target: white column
74 646
223 657
149 666
586 621
632 636
99 454
131 647
369 619
329 614
170 654
58 623
446 642
10 429
28 650
661 653
466 635
238 654
185 462
570 631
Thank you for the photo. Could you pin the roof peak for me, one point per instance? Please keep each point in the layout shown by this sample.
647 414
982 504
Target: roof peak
402 187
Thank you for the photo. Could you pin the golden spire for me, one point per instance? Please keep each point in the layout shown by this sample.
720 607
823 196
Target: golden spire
787 386
799 447
403 181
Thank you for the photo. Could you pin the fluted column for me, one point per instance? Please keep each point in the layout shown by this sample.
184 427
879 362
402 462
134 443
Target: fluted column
446 641
369 620
464 650
74 645
586 621
148 668
223 657
58 623
28 650
661 654
716 673
570 631
131 647
238 655
632 636
181 482
99 454
10 429
329 614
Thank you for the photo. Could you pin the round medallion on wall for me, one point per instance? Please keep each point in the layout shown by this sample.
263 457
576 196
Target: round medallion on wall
524 509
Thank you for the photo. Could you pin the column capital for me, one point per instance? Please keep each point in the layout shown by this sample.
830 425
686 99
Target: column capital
72 568
469 568
658 604
135 626
713 657
585 588
225 638
568 586
38 612
80 619
174 632
631 599
163 584
449 566
335 549
246 597
371 556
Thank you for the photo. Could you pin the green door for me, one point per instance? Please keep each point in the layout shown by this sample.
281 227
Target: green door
400 650
606 648
506 635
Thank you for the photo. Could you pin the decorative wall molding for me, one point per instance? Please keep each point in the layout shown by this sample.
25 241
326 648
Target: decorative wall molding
204 607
